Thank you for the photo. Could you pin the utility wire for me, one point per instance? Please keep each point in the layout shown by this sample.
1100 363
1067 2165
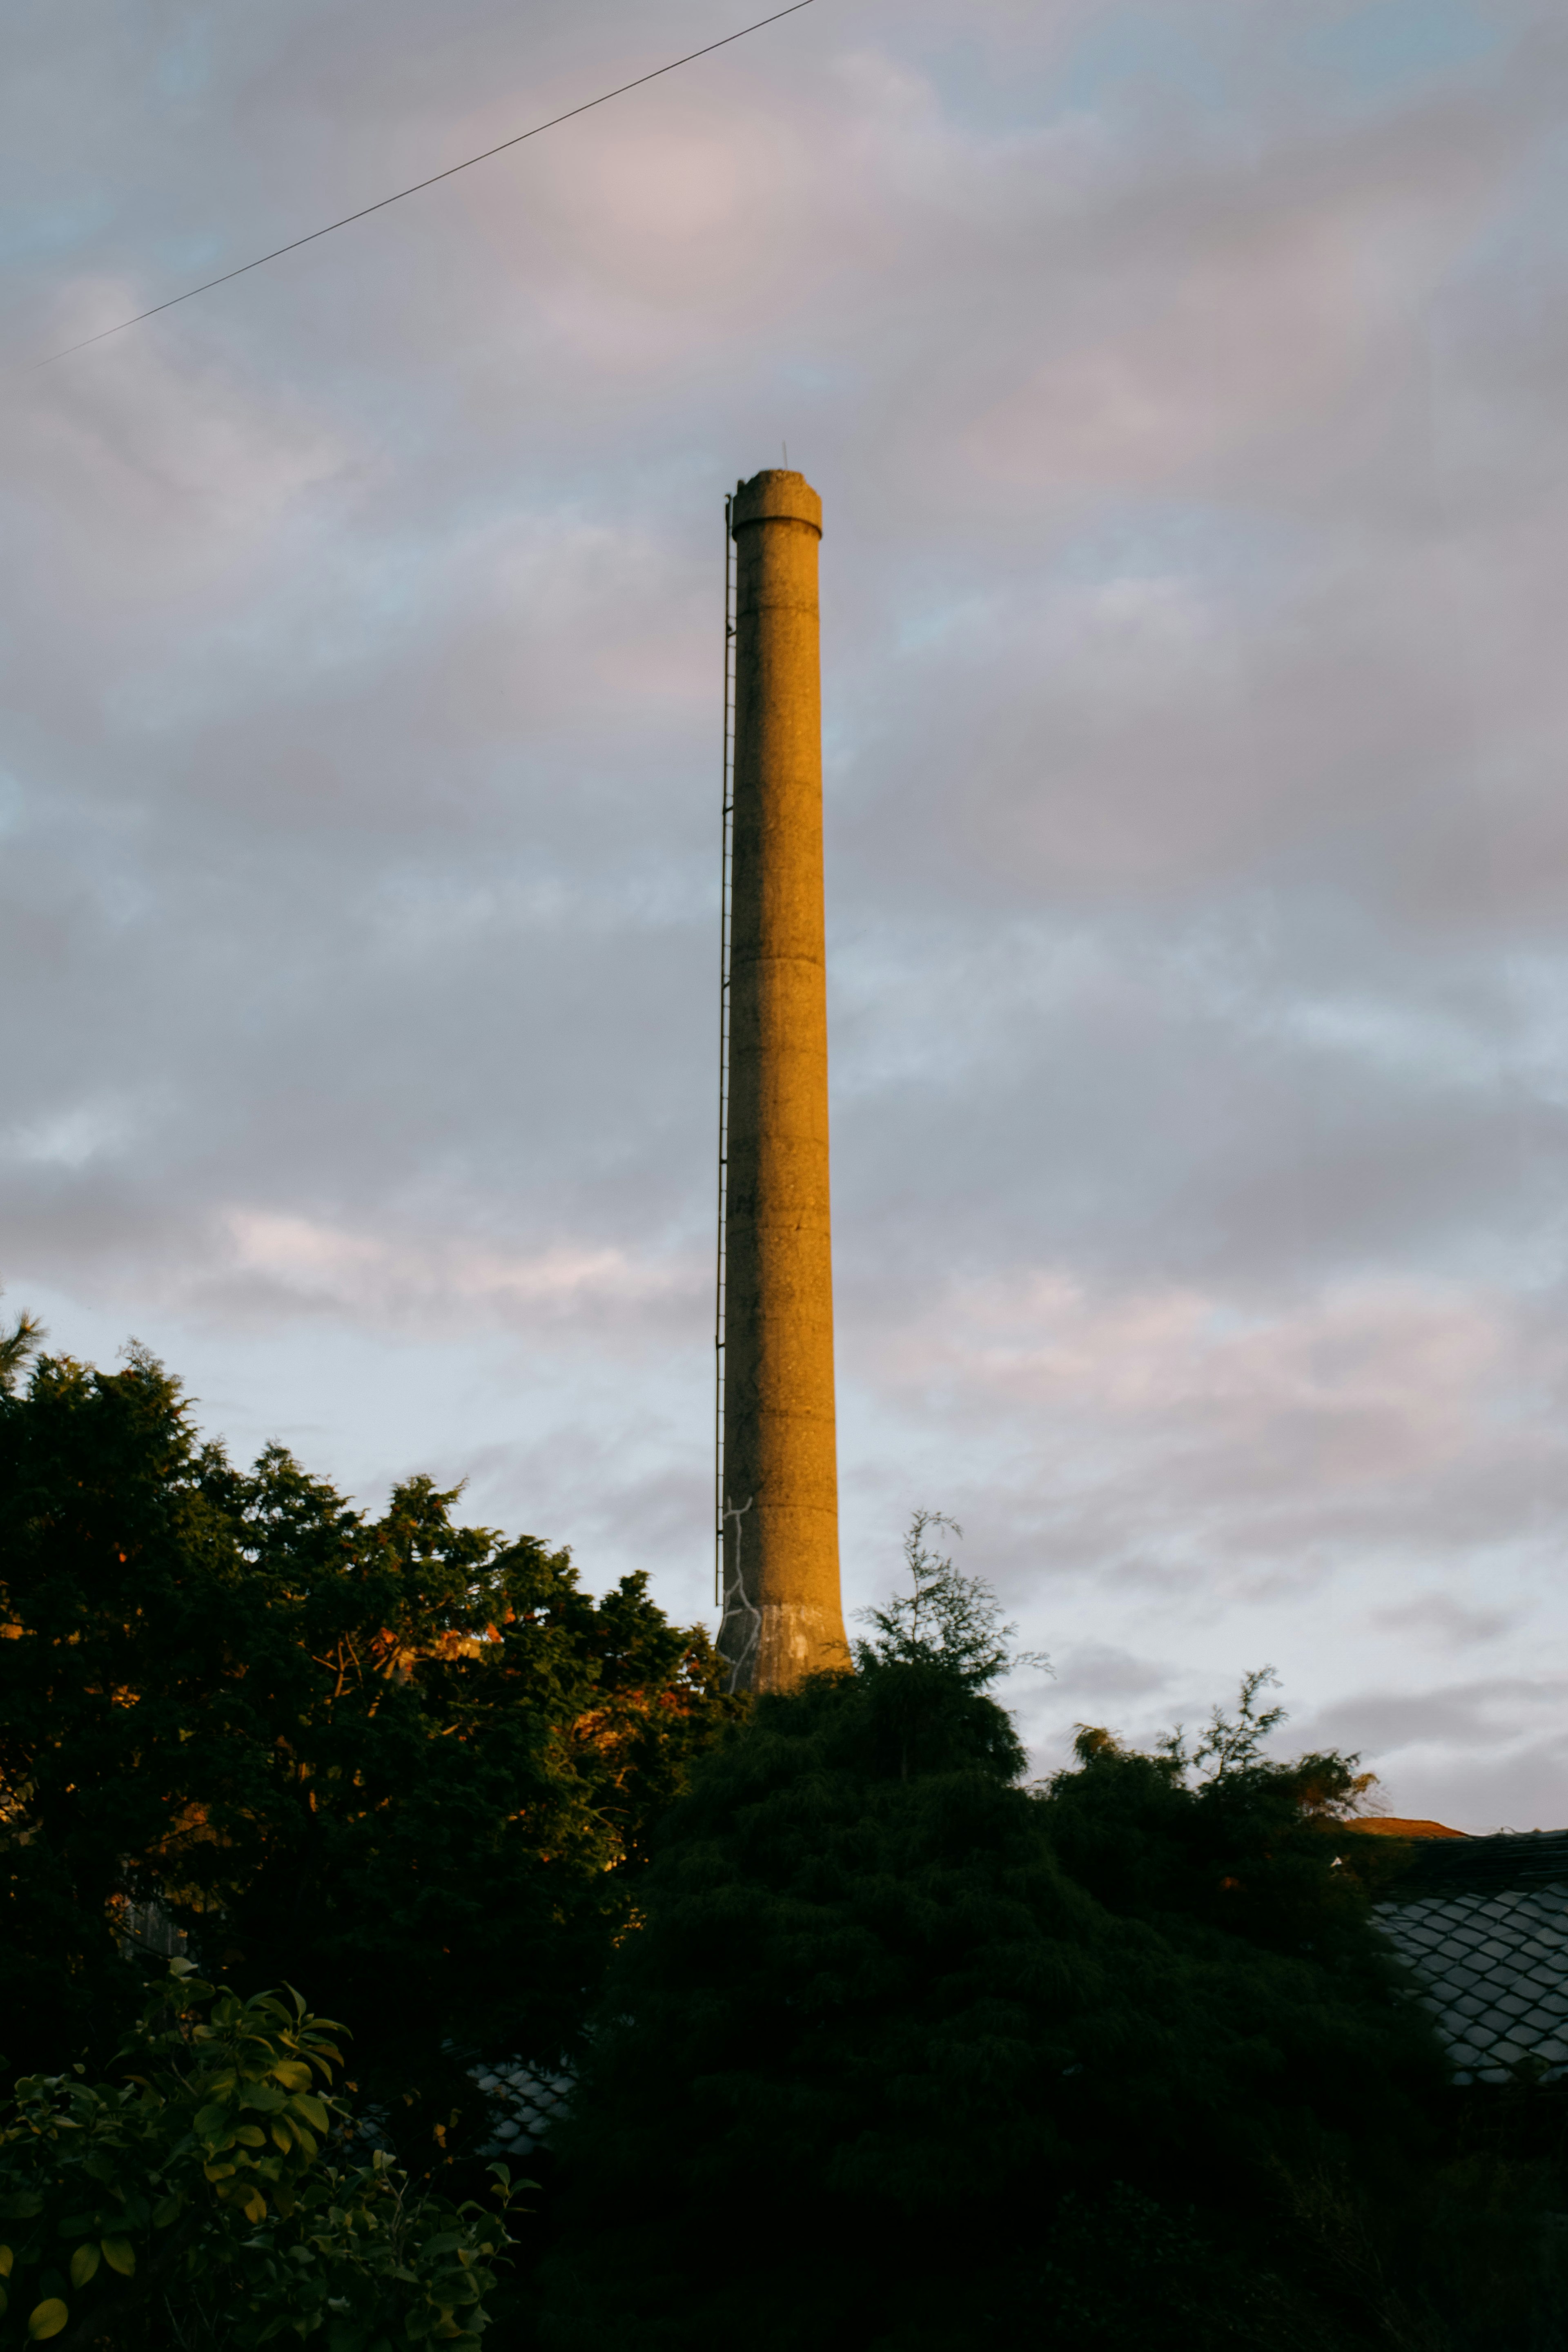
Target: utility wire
452 170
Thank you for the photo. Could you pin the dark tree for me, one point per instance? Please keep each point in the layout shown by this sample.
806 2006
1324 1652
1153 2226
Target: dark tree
399 1762
896 2061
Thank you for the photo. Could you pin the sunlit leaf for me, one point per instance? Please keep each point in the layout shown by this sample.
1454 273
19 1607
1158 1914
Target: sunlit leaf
306 2103
8 2261
121 2255
47 2319
84 2263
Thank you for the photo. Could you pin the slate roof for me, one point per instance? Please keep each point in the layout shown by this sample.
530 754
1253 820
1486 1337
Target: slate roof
524 2103
1482 1922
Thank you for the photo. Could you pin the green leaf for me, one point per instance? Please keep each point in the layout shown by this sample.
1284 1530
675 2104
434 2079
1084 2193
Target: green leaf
211 2121
120 2255
21 2206
283 2135
167 2210
47 2319
84 2264
306 2103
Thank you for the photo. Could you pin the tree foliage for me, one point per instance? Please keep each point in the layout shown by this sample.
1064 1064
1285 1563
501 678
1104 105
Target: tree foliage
1236 1849
16 1347
946 1619
908 2060
196 2199
397 1758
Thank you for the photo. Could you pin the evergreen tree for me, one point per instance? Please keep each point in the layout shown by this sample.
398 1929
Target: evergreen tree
880 2066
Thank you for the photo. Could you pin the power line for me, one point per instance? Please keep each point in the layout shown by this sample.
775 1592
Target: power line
452 170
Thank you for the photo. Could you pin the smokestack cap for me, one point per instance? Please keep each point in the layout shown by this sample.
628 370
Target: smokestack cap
776 497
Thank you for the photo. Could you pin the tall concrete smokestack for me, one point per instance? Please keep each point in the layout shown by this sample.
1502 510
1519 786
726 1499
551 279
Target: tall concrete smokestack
783 1616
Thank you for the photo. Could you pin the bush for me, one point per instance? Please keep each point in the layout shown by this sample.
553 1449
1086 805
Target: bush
196 2200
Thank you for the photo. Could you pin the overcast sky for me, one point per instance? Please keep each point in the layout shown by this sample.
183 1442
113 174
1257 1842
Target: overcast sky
1188 390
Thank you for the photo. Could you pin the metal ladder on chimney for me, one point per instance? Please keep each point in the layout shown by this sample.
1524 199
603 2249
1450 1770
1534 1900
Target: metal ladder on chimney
726 862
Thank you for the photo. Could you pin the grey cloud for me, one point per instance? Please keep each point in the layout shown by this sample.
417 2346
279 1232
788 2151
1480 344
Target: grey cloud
1440 1621
1192 583
1098 1671
1478 1716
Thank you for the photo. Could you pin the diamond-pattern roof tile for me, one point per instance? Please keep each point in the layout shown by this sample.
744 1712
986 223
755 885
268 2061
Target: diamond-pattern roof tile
524 2103
1482 1926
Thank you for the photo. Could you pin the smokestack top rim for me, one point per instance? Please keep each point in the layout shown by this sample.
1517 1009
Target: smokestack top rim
776 496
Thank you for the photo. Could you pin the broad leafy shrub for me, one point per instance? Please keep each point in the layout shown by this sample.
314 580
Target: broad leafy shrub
202 2197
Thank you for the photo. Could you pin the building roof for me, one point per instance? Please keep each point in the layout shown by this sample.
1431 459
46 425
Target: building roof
1384 1826
1482 1923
